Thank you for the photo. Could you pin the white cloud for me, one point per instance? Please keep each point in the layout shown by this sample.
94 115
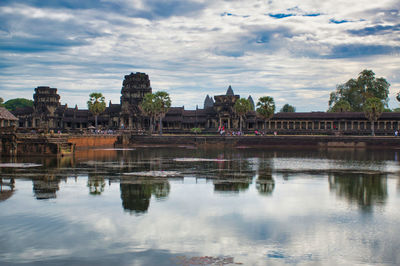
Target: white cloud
224 43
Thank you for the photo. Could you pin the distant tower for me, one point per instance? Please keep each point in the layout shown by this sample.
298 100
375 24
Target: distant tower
229 92
250 99
208 102
45 100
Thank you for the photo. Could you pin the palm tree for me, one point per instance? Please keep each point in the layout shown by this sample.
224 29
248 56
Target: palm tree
266 108
163 103
241 108
96 104
149 108
373 108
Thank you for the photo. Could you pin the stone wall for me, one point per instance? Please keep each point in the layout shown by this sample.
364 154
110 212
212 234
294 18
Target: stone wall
92 141
271 141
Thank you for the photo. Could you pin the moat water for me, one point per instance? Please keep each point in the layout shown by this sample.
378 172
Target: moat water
185 206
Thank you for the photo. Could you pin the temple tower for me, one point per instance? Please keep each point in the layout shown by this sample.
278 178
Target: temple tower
134 87
223 106
45 102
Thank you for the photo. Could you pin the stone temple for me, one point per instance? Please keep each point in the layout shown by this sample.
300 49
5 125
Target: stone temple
48 114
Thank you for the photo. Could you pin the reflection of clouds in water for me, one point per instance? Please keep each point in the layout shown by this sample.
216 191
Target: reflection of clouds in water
19 165
301 222
155 173
327 164
199 160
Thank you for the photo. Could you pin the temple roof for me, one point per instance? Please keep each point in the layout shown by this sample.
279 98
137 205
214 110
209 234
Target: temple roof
208 102
229 92
6 115
250 99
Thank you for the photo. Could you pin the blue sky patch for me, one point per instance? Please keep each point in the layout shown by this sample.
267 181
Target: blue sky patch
378 29
280 15
338 21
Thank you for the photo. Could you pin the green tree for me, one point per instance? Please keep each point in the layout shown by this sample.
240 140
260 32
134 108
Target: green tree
1 101
340 106
163 103
96 105
149 108
266 108
241 108
287 108
196 130
13 104
373 108
357 91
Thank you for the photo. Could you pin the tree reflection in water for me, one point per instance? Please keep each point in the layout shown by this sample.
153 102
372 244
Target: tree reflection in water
95 184
364 189
265 182
136 195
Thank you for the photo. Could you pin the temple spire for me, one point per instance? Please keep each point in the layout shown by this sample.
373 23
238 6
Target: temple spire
229 92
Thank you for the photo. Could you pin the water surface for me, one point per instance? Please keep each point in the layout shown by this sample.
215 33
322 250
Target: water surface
179 206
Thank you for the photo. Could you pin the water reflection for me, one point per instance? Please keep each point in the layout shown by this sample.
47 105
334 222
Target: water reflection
96 184
136 195
6 188
363 190
265 182
46 186
85 218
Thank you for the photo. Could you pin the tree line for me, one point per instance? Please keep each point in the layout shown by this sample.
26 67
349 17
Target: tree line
366 93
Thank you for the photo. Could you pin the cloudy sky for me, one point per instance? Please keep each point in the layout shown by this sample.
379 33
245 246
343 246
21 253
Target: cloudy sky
295 51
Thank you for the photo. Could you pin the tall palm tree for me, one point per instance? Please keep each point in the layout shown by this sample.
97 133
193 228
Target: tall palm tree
149 108
266 108
163 103
241 108
373 108
96 104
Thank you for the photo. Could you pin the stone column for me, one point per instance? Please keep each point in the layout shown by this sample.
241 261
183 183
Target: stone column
130 122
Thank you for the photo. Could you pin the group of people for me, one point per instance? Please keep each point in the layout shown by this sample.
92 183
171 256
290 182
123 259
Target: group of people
222 132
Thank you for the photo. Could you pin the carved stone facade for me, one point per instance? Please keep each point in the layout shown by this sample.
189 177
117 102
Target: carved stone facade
48 114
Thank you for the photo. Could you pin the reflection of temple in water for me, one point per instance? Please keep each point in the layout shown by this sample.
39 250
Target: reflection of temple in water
46 187
234 175
6 188
231 186
366 190
136 196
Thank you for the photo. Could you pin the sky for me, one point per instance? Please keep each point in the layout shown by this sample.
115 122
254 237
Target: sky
294 51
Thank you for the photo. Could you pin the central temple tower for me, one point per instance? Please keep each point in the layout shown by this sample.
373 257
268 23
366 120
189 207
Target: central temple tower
134 87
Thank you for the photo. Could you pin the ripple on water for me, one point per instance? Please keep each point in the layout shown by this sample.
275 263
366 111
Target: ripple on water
19 165
199 160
